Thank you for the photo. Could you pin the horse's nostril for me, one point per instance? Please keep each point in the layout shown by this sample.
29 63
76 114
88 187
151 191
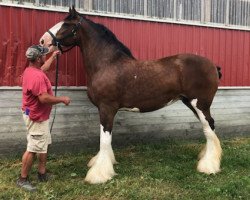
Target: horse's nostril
42 41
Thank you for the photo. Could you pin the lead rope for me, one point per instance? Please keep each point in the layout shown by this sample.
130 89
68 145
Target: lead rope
56 84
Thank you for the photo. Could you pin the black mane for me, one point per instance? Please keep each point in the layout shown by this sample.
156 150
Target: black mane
110 38
106 35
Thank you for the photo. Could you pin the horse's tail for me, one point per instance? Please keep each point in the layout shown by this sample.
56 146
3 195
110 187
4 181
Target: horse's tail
219 71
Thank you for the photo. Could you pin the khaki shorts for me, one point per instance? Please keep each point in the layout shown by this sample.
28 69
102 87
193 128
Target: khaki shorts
38 135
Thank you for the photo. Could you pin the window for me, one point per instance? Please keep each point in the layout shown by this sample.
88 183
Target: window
229 13
189 10
239 12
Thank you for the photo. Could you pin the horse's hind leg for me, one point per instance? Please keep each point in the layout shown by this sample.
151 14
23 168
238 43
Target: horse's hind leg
101 165
210 156
187 102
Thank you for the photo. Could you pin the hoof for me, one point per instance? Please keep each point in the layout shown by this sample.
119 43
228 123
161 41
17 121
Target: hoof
96 176
208 167
210 156
101 168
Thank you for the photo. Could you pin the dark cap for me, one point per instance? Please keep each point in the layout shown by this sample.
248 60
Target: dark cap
36 51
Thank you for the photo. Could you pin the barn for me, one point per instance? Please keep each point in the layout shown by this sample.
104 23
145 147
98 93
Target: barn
218 30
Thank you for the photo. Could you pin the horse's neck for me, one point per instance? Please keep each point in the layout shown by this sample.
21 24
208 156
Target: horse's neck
93 57
96 53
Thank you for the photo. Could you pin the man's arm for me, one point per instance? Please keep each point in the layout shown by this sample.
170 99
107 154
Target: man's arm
47 64
50 99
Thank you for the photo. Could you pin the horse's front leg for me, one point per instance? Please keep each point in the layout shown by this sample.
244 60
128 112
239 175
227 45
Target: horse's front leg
101 165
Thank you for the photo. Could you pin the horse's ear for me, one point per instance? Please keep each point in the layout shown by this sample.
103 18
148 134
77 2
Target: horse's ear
72 12
73 8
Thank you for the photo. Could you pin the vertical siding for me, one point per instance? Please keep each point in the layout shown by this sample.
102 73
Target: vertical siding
22 28
150 40
147 40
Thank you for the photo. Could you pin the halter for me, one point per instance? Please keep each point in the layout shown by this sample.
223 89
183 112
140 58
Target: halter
56 41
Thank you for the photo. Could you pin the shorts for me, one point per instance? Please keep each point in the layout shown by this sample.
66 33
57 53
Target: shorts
38 135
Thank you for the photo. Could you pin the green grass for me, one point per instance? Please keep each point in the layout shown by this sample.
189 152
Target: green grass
162 170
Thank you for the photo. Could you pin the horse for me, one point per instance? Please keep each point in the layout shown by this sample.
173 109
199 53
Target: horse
117 80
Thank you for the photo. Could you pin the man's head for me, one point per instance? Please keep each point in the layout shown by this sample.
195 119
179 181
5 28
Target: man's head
36 53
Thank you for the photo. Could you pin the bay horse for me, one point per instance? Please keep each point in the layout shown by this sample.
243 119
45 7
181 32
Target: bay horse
117 80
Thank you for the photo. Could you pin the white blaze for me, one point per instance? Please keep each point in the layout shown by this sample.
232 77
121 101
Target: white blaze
46 39
56 28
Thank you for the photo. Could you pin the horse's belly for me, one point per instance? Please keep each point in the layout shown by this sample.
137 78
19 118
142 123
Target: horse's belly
148 107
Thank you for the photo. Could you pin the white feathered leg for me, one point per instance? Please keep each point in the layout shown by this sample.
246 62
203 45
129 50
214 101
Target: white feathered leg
102 164
210 156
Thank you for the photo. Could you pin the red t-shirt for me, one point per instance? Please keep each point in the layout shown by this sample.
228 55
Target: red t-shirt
34 83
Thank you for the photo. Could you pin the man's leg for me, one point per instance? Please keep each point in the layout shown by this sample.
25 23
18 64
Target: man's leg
27 161
42 174
42 160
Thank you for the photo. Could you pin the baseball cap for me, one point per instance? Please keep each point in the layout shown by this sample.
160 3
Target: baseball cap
35 52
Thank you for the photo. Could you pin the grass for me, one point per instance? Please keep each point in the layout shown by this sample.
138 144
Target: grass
162 170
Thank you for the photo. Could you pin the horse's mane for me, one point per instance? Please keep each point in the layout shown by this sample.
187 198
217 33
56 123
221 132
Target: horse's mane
106 35
110 38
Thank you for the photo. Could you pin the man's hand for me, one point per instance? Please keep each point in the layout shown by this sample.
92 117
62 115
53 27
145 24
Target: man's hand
50 99
55 53
65 100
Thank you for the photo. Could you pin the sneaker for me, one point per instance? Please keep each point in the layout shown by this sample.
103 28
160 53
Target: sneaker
44 177
26 185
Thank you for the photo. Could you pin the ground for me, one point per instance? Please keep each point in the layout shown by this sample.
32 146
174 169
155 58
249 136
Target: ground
157 170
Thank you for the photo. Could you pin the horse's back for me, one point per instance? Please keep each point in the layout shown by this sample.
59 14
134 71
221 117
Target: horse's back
199 76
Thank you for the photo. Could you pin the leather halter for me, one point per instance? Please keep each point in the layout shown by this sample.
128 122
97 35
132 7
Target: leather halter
57 42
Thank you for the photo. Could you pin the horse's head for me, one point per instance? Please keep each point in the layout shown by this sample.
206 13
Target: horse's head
63 34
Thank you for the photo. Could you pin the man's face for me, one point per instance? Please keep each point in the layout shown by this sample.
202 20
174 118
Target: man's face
42 59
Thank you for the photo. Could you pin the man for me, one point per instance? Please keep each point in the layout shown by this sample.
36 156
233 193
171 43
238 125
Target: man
37 103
